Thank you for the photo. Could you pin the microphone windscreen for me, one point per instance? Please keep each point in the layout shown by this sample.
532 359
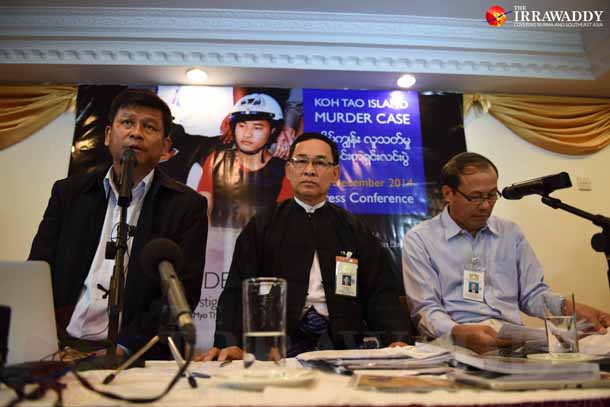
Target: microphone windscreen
129 155
511 193
158 250
541 186
559 181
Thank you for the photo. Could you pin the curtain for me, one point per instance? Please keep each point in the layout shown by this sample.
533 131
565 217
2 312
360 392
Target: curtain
567 125
26 109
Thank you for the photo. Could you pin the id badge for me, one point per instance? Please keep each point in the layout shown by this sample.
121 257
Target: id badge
346 276
473 287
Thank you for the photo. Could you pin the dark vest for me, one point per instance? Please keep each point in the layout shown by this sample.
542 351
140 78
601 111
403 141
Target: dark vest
280 241
289 246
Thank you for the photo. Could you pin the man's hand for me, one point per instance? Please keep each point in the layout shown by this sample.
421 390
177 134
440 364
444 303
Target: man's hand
68 354
230 353
283 142
479 338
599 319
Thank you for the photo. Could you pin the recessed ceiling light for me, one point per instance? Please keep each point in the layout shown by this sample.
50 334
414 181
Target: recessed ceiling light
406 81
197 75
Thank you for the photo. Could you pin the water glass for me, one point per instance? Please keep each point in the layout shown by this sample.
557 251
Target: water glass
264 323
560 324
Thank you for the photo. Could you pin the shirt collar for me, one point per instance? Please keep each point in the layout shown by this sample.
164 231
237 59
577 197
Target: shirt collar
492 225
309 208
138 191
452 229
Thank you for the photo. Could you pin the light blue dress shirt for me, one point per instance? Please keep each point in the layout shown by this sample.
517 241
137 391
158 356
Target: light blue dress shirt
435 254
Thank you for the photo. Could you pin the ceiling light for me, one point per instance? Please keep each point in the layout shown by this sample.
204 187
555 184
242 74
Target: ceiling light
406 81
197 75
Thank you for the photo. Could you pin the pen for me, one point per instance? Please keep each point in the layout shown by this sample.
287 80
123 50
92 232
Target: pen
201 375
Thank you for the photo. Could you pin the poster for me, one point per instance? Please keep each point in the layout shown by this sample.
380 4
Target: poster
392 143
379 136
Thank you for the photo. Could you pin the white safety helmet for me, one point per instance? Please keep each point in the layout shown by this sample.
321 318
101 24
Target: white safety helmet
257 106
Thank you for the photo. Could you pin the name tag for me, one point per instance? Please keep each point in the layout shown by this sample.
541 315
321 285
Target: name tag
346 276
474 285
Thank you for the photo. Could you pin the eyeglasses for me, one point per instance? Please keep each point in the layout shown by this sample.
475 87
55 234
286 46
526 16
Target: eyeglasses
479 199
301 163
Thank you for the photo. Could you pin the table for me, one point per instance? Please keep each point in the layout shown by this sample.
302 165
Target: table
326 390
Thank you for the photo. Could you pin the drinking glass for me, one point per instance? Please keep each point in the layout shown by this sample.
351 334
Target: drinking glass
560 324
264 323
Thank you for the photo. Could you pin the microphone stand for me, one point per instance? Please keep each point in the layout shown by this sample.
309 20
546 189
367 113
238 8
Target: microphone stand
115 295
166 329
117 282
600 242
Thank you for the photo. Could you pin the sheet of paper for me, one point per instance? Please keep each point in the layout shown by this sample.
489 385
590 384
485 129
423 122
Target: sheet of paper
595 344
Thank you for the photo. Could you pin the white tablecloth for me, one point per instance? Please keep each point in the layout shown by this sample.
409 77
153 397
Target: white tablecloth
326 390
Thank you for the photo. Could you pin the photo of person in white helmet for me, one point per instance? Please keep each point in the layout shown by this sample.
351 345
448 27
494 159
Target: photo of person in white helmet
243 177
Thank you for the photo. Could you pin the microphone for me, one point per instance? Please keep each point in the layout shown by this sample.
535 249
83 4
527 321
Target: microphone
540 186
165 256
128 163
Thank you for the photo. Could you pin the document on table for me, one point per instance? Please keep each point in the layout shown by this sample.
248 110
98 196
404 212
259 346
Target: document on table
535 338
400 357
521 333
521 366
499 381
403 384
595 344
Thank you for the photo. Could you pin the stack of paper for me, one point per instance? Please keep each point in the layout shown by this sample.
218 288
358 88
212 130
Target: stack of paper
499 381
403 357
534 368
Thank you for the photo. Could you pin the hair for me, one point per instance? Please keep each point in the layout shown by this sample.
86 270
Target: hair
456 166
141 97
334 150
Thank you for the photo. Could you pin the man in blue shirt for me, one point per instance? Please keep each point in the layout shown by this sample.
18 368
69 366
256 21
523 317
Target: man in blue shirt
465 247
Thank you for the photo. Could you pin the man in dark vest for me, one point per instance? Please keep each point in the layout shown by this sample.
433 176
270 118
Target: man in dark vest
302 240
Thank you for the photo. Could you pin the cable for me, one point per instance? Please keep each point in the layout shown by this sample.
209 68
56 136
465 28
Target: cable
82 380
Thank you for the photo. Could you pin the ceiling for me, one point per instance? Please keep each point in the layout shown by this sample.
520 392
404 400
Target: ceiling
431 8
287 43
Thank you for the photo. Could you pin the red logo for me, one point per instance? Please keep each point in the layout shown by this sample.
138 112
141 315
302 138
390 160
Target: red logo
496 16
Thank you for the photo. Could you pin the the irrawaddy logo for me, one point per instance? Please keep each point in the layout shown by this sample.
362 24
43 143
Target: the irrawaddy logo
557 18
496 16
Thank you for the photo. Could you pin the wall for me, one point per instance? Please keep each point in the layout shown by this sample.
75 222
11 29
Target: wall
561 240
28 170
